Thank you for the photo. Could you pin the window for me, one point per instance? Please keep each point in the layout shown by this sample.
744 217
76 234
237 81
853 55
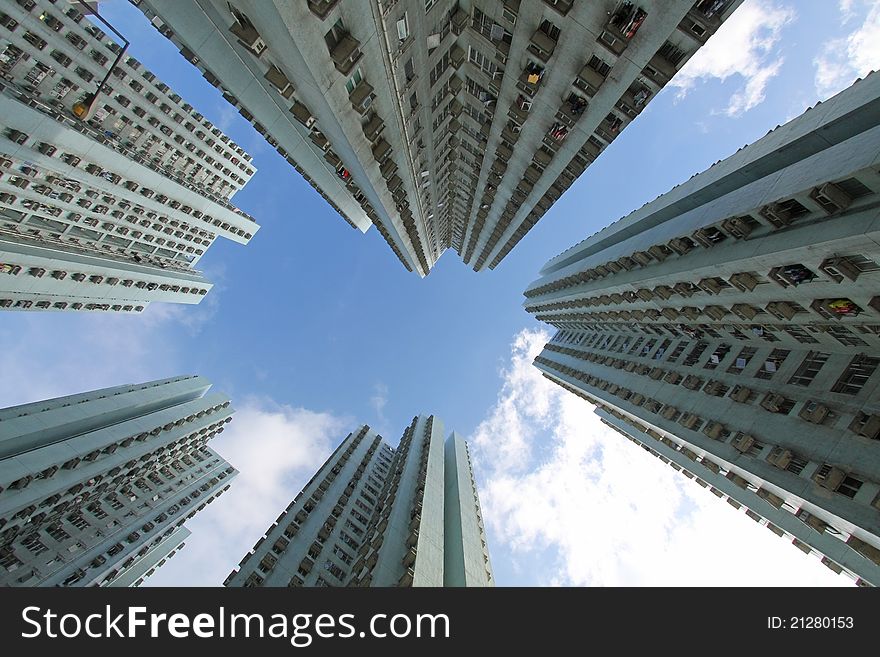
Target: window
717 356
334 36
695 353
809 368
849 486
354 81
742 360
796 465
671 53
334 570
34 545
550 30
403 28
58 533
482 62
354 528
772 363
679 348
846 337
439 68
856 375
800 335
598 65
342 555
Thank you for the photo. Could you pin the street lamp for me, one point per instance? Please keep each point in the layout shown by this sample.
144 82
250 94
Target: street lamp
85 107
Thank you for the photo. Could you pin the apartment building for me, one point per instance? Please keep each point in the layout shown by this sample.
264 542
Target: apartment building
374 515
448 124
95 488
111 209
735 321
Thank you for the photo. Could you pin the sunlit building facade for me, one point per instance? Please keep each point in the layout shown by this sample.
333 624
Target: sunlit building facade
112 212
95 488
449 124
378 516
735 321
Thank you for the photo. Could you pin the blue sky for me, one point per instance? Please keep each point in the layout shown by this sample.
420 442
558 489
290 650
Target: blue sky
314 328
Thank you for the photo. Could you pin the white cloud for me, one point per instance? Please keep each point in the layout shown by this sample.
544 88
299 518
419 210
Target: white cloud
842 60
570 502
379 399
744 46
276 450
47 355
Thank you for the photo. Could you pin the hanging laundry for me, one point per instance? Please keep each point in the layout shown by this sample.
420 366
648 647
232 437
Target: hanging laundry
797 274
635 23
843 307
641 97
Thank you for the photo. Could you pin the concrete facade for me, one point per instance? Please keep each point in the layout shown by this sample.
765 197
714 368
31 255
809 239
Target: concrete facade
95 487
446 123
735 320
377 516
109 213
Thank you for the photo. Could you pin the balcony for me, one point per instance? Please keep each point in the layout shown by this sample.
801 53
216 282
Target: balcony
717 313
407 578
388 168
689 420
692 382
321 8
791 275
781 310
302 114
345 53
381 150
836 308
839 268
744 311
248 36
660 70
409 559
542 45
682 245
623 26
459 20
278 80
744 281
831 197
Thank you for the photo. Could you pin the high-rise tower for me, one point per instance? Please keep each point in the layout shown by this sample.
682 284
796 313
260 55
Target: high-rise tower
114 211
733 326
377 516
446 123
95 488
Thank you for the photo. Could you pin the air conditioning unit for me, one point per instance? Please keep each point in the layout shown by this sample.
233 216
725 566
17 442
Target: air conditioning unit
743 442
714 430
689 420
402 29
829 477
866 425
814 412
831 197
776 215
780 457
839 268
772 402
